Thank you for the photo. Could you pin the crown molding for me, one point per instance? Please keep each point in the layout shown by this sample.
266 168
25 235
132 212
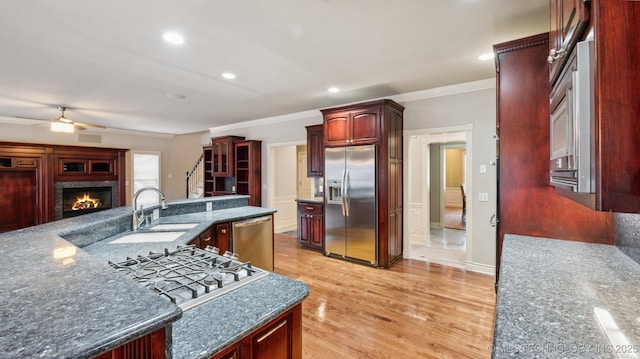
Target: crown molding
401 98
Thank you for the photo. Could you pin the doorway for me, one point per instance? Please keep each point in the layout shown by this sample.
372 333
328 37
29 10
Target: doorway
438 166
287 181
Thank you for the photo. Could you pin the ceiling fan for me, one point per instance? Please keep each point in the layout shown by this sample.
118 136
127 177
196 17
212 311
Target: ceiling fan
63 124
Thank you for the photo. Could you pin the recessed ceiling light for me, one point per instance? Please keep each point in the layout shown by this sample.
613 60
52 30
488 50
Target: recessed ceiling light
173 37
485 57
228 75
333 89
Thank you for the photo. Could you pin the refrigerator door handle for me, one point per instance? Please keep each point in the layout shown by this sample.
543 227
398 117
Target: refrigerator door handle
347 197
342 192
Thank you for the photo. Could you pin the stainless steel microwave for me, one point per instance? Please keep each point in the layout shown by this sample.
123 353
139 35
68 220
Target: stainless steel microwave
572 123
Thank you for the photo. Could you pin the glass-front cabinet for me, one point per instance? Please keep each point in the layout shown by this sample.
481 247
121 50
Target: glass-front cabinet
222 155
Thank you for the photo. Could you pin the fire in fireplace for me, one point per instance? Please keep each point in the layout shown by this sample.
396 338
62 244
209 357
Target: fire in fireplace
77 201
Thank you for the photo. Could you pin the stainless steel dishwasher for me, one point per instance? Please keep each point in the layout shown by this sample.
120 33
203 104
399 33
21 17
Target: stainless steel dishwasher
253 241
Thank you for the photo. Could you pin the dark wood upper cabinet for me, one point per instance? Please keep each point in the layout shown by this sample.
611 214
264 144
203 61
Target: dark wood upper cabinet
352 126
614 27
222 155
569 19
315 151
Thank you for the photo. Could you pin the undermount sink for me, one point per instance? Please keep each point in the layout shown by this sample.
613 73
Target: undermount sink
147 237
172 226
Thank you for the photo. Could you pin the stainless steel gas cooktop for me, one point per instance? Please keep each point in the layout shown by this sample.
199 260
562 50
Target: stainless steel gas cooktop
190 276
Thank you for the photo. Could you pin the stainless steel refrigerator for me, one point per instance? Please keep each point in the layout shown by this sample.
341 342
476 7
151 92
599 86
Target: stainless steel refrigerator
351 218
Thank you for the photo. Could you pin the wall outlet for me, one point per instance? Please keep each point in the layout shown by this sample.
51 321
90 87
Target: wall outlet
483 168
209 206
483 197
156 214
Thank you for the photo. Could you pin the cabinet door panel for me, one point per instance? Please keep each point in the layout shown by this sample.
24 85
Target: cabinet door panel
223 237
18 202
365 126
316 231
336 129
303 228
569 19
274 342
206 238
315 151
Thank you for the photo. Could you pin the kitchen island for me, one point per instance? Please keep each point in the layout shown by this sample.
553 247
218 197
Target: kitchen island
564 299
61 298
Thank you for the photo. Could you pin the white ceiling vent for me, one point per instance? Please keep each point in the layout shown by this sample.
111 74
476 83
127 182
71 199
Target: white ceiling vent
89 138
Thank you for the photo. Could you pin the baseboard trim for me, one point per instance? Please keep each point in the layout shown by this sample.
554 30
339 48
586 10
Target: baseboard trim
480 268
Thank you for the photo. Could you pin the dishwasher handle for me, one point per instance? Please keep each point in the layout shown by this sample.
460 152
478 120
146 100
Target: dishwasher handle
252 222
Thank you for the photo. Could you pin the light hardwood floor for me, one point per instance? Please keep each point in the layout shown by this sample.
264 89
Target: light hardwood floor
413 310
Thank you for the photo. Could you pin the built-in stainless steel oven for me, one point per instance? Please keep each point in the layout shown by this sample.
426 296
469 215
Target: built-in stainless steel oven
572 124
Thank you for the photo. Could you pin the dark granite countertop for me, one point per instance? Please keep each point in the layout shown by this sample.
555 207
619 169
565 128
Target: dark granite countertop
69 303
564 299
210 327
119 252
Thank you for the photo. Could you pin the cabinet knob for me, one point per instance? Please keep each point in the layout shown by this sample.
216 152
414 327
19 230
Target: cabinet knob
555 54
224 230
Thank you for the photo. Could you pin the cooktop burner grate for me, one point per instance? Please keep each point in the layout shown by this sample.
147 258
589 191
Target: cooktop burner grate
189 276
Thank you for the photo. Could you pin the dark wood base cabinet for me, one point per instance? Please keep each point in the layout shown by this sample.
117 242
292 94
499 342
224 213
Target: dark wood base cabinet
218 235
281 338
311 225
151 346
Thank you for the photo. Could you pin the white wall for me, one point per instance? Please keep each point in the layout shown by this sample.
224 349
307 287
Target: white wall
478 109
179 157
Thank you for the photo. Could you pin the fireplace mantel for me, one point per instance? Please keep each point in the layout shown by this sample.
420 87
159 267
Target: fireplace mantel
31 175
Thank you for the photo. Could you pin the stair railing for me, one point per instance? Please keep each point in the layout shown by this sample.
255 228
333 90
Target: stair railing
195 178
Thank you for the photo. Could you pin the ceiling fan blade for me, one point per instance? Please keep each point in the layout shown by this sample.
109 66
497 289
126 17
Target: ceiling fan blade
83 126
30 118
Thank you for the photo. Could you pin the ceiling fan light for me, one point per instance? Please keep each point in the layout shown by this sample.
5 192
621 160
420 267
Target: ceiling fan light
59 126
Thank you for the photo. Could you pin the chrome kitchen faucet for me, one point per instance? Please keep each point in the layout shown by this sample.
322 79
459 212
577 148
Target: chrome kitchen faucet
137 220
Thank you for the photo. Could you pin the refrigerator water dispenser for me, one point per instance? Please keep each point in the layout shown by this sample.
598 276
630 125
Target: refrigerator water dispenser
334 191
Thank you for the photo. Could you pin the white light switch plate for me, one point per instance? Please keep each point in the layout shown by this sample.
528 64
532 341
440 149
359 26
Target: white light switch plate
483 168
483 197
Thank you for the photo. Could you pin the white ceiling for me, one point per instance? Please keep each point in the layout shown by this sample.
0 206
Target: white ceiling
107 62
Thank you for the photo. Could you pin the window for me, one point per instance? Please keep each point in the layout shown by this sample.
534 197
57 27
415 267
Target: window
146 173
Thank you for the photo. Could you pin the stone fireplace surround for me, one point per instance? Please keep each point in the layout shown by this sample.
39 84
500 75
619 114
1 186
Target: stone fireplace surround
60 186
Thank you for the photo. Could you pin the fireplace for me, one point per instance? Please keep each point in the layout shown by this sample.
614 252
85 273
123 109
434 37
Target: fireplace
77 198
77 201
